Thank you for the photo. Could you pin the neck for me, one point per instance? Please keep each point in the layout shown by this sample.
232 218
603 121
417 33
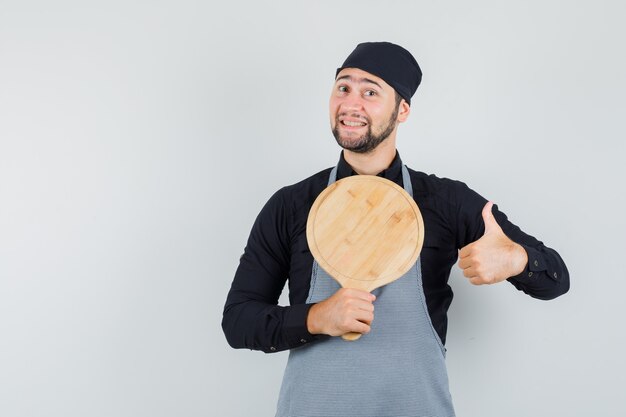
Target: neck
372 163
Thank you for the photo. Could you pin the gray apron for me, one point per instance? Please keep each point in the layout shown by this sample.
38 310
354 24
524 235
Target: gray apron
396 370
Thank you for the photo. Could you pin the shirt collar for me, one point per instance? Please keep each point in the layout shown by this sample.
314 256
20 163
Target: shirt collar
392 173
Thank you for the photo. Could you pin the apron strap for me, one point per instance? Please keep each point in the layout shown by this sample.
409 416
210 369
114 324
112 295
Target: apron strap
333 176
406 179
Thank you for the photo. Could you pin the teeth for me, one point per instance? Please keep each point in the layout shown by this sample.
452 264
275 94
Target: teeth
353 124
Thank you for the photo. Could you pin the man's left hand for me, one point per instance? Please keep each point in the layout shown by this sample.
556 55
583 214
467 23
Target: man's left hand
494 257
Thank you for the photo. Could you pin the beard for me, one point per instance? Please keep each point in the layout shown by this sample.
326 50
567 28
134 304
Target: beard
368 141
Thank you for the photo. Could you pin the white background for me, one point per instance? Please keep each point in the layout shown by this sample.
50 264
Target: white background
139 140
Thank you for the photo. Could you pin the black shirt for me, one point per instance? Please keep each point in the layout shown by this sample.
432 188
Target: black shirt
277 251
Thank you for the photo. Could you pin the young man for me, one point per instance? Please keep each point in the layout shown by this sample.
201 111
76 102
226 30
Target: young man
398 367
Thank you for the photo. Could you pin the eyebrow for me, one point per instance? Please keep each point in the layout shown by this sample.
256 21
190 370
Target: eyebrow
358 80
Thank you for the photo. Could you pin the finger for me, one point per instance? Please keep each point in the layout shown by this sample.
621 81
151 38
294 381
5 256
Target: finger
361 305
359 327
470 272
465 262
487 215
465 251
476 280
351 304
491 225
366 317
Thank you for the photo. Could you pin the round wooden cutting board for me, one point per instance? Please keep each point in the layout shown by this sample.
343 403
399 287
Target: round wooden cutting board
365 231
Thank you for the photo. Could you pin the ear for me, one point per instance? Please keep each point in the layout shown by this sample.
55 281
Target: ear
403 111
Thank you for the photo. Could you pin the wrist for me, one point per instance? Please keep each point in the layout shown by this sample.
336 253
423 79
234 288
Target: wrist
519 259
312 320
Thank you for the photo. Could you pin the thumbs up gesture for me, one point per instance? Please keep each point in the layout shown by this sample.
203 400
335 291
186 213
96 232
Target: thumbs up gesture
494 257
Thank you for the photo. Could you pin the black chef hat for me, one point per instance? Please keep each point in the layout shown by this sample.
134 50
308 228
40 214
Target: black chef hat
391 62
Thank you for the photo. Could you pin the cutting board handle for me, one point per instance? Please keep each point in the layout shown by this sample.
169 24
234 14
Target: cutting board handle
349 337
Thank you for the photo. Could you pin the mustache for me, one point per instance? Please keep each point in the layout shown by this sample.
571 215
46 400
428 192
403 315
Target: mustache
358 116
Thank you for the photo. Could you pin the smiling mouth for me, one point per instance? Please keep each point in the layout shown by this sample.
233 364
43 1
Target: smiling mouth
352 124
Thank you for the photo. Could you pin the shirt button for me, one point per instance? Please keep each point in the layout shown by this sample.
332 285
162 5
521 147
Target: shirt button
273 349
555 275
302 340
536 263
530 274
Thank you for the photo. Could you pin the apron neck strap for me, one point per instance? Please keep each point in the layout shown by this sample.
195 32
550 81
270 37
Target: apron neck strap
406 179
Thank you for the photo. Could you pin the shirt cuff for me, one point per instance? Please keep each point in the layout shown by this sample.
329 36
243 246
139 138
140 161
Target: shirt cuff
295 328
536 266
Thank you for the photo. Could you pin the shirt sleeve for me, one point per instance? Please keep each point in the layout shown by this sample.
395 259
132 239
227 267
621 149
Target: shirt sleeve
252 317
545 276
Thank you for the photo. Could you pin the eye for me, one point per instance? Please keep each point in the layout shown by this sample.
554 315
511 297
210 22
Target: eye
342 89
369 93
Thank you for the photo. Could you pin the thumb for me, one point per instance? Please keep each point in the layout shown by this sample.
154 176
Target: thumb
491 225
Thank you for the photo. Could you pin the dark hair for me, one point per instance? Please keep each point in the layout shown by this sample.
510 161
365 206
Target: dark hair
398 98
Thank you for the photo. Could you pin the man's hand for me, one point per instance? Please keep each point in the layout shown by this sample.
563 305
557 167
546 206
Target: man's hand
494 257
348 310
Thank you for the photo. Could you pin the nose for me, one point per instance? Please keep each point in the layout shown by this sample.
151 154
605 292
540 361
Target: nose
351 102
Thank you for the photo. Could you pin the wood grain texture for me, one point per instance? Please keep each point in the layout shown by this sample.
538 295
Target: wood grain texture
365 231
